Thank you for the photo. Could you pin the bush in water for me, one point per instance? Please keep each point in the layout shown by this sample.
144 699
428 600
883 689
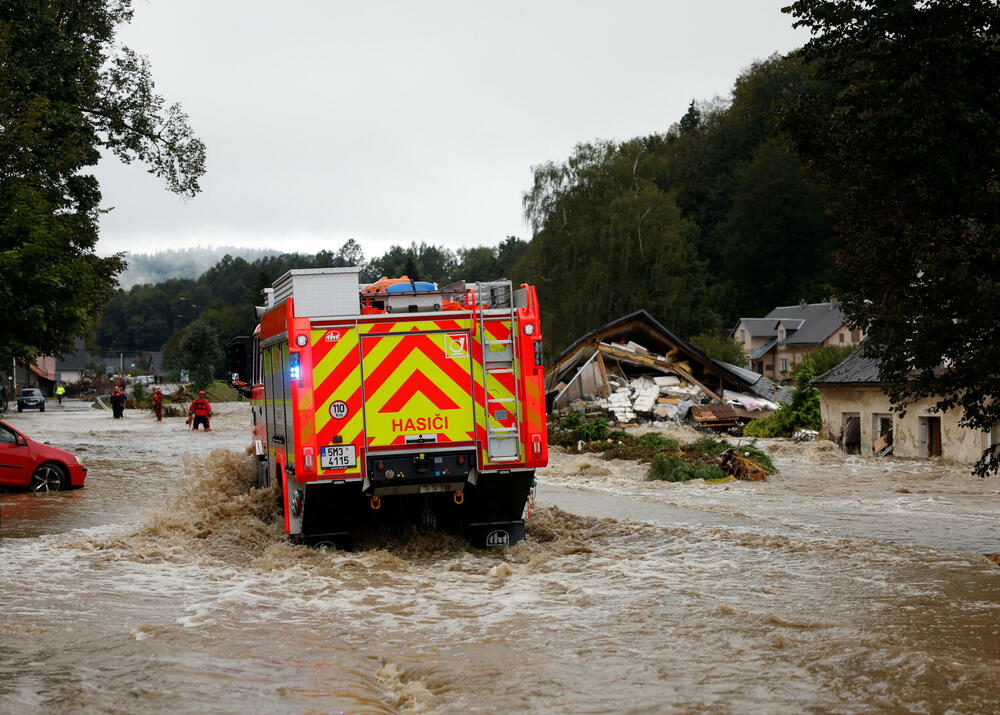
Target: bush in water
575 427
671 468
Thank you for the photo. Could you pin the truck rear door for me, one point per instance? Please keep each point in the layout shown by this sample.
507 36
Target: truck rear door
418 388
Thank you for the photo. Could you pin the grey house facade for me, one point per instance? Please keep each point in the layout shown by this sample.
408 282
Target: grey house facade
775 343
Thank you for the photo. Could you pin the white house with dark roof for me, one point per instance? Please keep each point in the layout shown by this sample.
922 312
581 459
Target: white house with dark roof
774 343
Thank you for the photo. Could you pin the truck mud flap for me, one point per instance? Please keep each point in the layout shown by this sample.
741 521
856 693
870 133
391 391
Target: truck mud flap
342 541
496 534
498 497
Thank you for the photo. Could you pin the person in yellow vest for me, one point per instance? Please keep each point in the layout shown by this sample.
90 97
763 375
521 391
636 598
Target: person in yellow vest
60 391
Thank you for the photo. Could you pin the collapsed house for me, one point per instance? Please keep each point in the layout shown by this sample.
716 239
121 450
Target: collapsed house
635 368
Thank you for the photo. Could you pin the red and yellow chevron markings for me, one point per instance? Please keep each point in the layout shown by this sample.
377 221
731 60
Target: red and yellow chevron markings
418 382
337 378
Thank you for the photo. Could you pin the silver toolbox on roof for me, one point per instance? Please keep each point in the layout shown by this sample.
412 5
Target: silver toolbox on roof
320 292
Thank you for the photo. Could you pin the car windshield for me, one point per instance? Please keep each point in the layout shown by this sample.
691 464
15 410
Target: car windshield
30 392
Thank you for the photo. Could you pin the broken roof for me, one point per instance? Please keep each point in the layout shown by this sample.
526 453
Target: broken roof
758 384
642 328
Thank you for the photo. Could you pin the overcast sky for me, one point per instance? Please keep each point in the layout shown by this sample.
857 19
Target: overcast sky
392 122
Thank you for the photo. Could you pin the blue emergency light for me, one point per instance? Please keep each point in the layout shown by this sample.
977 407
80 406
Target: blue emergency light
294 368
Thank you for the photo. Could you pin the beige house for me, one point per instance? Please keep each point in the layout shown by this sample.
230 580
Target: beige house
774 343
856 414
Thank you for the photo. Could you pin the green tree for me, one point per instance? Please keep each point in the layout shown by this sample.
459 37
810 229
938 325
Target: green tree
776 240
422 262
608 241
66 95
763 230
720 347
829 357
907 135
477 264
199 352
510 251
803 412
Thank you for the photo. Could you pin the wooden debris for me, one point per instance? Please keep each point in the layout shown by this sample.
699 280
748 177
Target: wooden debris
740 467
714 415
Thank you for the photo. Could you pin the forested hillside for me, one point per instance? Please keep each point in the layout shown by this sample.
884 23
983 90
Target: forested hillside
180 263
708 221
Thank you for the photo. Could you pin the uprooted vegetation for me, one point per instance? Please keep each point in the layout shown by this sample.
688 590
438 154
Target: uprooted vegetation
669 460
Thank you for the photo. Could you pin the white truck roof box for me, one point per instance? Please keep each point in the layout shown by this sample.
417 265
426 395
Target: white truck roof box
320 292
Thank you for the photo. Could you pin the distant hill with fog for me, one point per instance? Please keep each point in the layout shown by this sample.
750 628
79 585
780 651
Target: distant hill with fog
181 263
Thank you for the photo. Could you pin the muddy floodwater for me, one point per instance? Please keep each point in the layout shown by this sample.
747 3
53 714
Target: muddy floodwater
844 584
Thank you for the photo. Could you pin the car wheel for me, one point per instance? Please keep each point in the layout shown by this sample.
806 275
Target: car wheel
49 477
19 408
42 408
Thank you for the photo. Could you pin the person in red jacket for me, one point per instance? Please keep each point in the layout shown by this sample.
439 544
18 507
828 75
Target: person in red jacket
158 403
201 410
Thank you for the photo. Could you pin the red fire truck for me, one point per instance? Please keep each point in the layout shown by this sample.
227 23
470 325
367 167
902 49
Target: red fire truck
395 402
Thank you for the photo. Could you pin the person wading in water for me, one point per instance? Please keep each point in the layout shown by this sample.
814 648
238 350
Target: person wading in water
201 410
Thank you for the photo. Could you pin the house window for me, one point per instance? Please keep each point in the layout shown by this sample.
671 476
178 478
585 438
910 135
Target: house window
784 364
781 333
841 337
743 336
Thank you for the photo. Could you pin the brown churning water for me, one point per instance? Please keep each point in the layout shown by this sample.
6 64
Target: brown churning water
843 585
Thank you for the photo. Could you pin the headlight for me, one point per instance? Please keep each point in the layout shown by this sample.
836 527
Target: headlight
529 329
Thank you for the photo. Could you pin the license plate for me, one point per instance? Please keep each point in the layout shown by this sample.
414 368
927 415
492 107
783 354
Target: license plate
338 457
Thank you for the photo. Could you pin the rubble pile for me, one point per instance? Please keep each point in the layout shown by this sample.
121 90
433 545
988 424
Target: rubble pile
652 398
614 370
633 392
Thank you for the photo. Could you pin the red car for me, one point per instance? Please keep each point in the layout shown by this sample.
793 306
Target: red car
36 466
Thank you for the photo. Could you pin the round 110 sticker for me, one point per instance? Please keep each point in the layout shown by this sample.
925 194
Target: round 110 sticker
338 410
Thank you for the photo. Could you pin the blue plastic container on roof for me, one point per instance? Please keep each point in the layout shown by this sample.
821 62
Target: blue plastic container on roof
414 287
